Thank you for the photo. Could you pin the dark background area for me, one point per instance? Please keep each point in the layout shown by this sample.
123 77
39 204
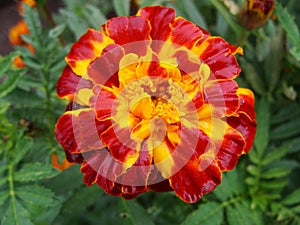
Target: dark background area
9 16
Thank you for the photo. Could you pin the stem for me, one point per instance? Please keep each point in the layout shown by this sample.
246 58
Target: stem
12 192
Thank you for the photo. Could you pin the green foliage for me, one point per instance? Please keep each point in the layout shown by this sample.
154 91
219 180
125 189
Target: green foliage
264 188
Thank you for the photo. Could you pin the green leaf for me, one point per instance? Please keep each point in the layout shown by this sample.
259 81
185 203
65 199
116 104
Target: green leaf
10 82
295 51
252 77
3 197
5 63
36 195
33 22
286 130
293 145
122 7
275 173
263 123
194 14
262 47
273 184
210 213
286 113
250 180
21 148
253 170
288 24
292 198
275 155
16 214
57 31
238 215
35 171
133 213
94 15
4 106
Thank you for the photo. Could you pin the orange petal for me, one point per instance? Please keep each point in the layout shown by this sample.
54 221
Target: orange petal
16 31
60 166
86 50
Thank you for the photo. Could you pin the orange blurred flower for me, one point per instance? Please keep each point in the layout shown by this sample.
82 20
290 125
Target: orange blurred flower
64 165
154 106
255 13
16 32
30 3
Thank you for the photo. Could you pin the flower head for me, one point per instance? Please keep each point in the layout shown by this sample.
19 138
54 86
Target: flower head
30 3
154 106
255 13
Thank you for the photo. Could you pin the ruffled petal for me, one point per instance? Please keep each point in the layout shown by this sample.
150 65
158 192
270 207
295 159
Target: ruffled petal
195 179
69 83
121 147
246 103
133 31
78 131
230 149
185 33
104 70
219 56
86 50
160 19
222 97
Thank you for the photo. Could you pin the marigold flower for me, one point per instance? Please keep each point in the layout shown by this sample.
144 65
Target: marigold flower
255 13
154 106
16 32
60 166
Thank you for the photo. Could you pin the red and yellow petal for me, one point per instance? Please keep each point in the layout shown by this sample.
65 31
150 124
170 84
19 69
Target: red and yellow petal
222 97
86 50
69 83
185 33
230 150
78 131
219 56
121 147
196 178
160 19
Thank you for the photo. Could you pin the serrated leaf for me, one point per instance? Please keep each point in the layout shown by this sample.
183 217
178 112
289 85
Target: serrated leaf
292 198
33 22
122 7
16 214
132 213
34 171
10 82
250 180
273 184
275 173
263 123
239 215
288 23
274 155
286 130
254 157
57 31
21 148
36 195
224 190
210 213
